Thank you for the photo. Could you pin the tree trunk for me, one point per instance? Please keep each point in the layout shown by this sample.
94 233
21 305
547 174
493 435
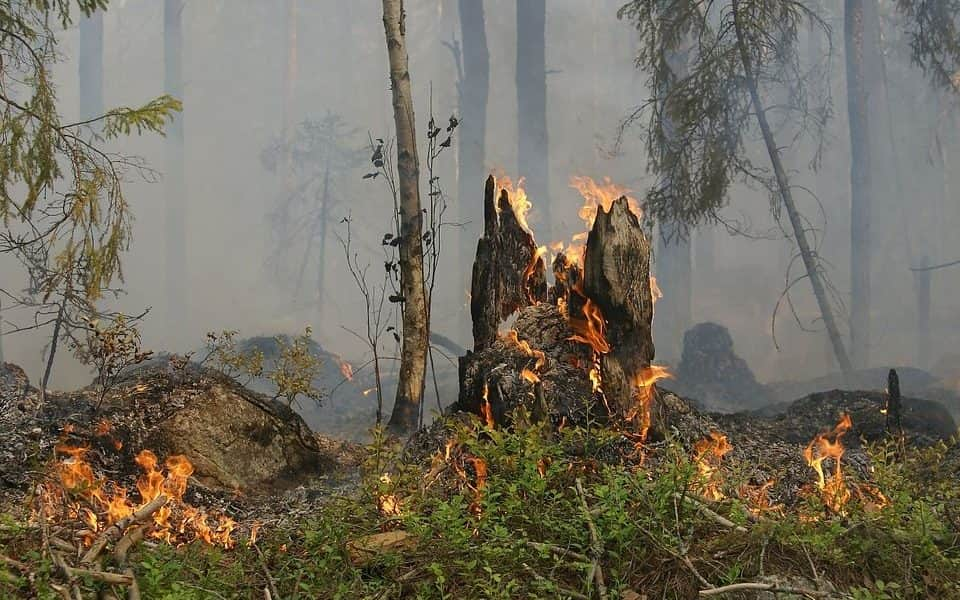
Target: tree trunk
174 185
859 182
413 354
289 85
322 247
472 91
674 271
783 186
531 77
91 66
616 276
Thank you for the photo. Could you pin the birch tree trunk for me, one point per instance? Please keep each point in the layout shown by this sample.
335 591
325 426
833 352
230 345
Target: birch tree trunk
860 182
531 77
413 354
174 185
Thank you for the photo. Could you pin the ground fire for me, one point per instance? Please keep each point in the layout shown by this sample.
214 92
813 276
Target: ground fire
101 503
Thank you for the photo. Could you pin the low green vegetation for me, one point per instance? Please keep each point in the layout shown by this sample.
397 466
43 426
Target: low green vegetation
498 515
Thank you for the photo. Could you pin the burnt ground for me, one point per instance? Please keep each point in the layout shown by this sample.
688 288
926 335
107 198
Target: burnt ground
307 469
280 470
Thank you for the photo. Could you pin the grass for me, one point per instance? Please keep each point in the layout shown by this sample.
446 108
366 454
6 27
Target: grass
517 529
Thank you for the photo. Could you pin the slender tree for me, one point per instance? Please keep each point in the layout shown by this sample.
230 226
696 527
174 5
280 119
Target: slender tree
697 131
861 193
289 86
413 353
174 184
472 92
531 73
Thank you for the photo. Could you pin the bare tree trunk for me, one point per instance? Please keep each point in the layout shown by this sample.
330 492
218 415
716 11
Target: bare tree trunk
413 354
53 350
674 269
289 85
531 77
322 247
783 185
471 153
91 65
175 187
860 181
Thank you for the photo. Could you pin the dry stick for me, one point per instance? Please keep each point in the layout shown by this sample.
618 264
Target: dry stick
713 515
104 576
560 591
764 587
559 551
596 544
16 564
263 565
126 542
133 592
114 532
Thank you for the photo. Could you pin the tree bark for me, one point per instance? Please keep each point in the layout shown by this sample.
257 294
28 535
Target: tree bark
413 354
531 77
616 276
783 186
174 185
507 274
472 91
860 182
91 66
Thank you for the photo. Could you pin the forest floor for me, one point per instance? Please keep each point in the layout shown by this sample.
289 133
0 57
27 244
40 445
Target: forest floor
465 511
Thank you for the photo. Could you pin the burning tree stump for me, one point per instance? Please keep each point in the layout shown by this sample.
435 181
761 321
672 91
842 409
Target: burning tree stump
616 277
508 273
593 325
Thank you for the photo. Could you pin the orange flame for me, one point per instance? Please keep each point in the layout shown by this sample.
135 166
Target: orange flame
590 329
596 195
757 498
517 198
708 453
834 491
175 522
513 338
346 369
486 408
529 376
643 388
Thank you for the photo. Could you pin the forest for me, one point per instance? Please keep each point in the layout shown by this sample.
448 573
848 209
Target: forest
479 299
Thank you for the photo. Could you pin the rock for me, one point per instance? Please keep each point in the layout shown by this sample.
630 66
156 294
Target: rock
711 372
362 551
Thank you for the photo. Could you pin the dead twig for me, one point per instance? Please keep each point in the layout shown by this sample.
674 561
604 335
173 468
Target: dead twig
271 589
559 551
763 587
16 564
596 546
129 539
560 591
116 530
710 513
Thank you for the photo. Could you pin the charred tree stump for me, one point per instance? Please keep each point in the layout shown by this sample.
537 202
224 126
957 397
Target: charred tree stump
508 273
616 277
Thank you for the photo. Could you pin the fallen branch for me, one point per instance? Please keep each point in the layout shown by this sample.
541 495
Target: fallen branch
133 592
113 533
104 576
272 585
710 513
562 592
126 542
16 564
596 546
559 551
763 587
